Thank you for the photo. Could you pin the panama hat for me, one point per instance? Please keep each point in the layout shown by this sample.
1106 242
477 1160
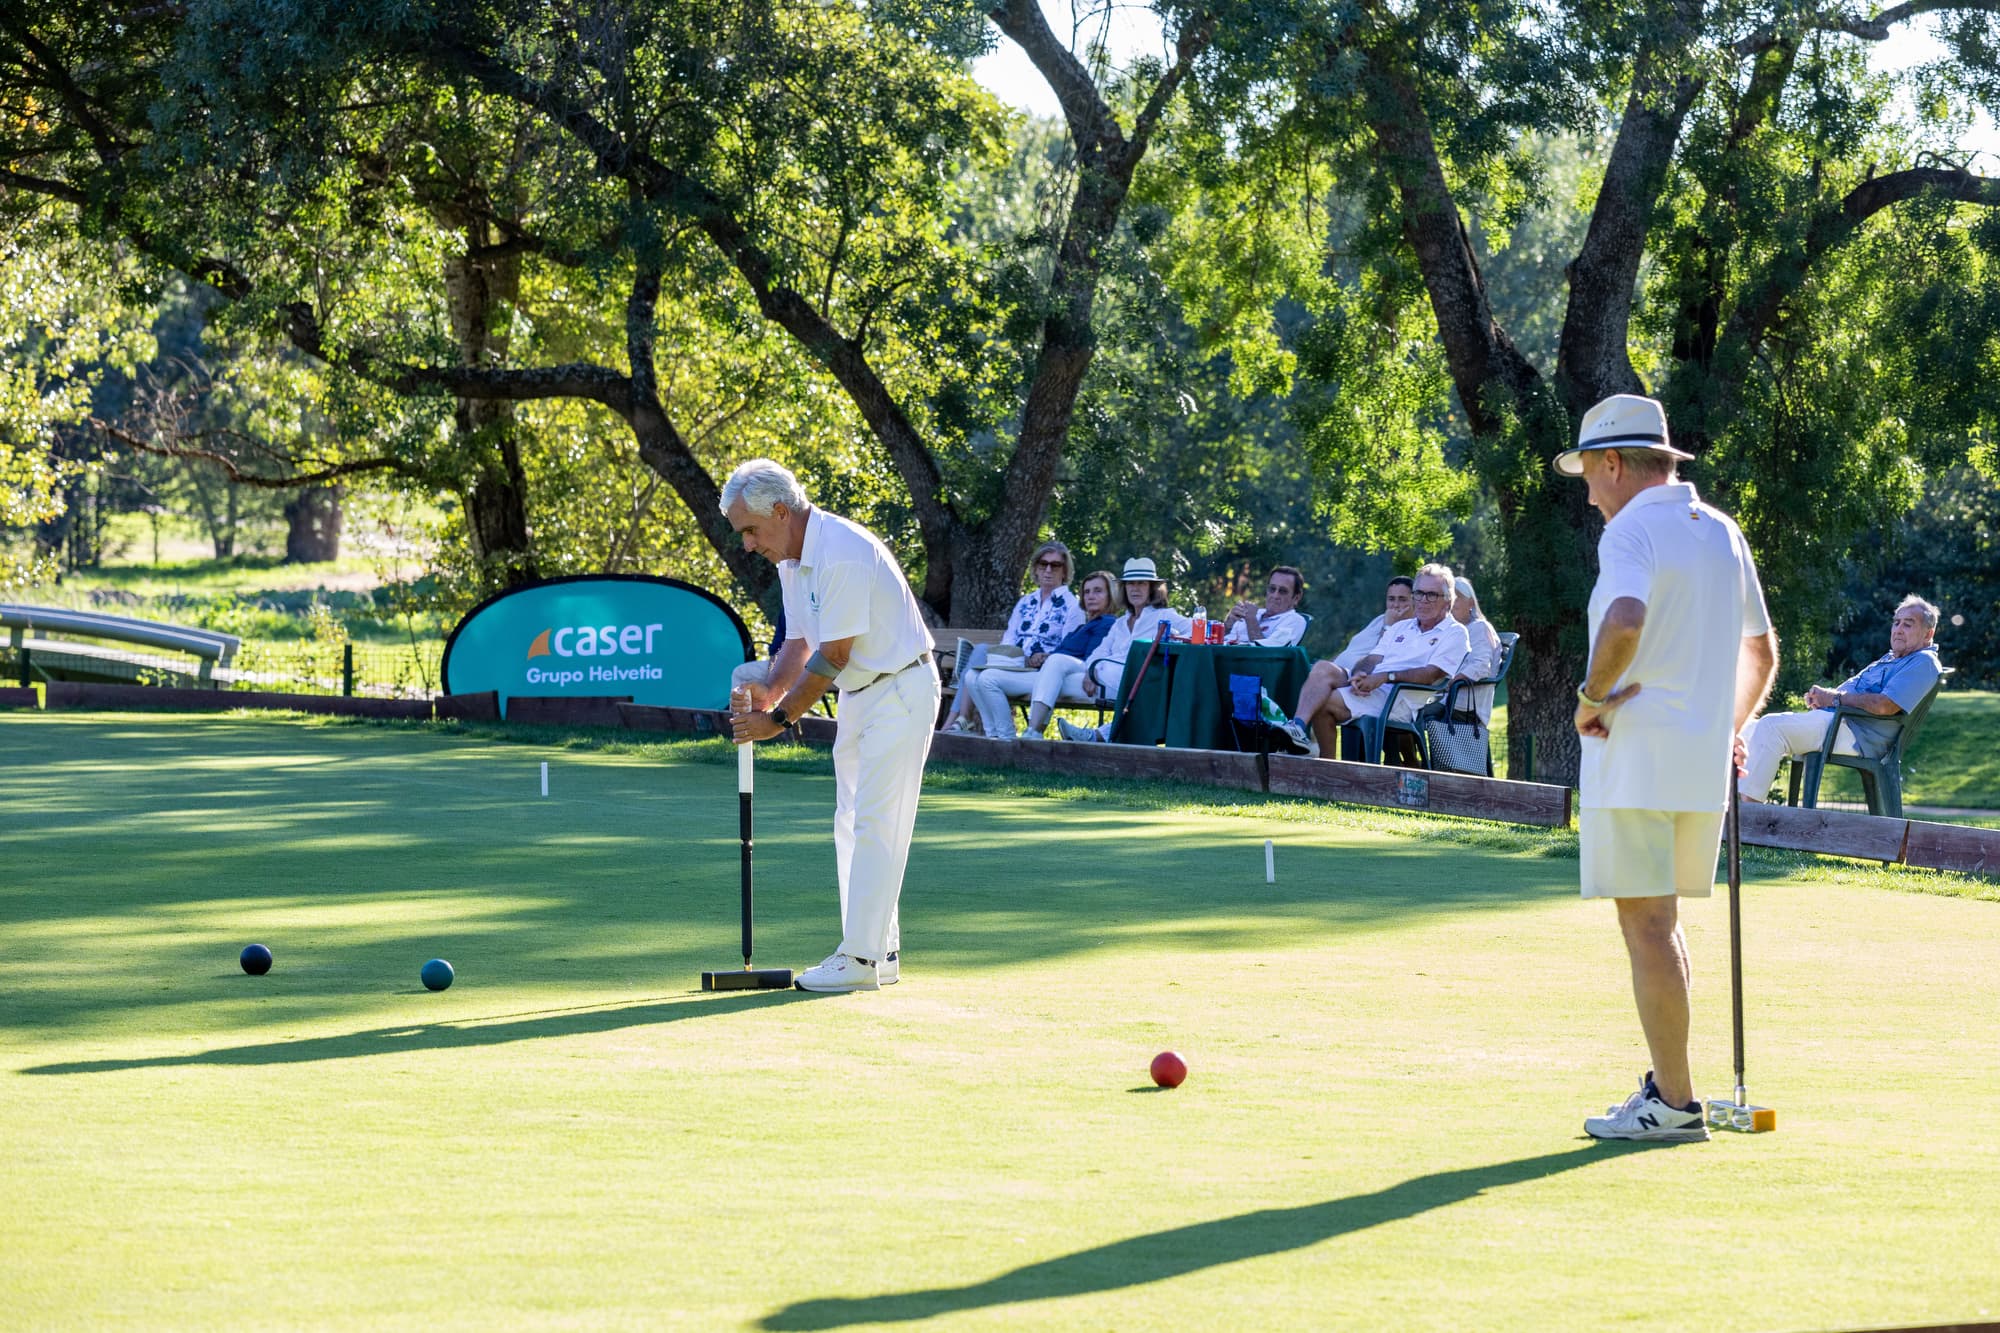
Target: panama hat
1622 421
1137 568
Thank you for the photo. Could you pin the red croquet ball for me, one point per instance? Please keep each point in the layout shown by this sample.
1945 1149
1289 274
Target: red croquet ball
1169 1069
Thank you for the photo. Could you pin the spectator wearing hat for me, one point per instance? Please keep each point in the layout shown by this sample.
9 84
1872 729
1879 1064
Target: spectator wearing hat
1681 655
1038 623
1482 657
1059 674
1275 624
1886 689
1146 615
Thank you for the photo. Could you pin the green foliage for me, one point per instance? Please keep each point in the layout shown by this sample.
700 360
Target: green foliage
1370 425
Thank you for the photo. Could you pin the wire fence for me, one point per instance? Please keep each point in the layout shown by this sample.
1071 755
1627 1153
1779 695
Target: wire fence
402 671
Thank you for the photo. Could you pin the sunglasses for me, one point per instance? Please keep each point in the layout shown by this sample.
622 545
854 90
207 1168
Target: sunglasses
1050 564
1428 596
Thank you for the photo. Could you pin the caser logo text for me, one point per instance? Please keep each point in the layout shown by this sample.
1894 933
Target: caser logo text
593 641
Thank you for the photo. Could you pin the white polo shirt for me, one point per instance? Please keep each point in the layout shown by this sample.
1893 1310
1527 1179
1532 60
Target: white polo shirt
1405 646
1669 745
846 584
1279 631
1363 643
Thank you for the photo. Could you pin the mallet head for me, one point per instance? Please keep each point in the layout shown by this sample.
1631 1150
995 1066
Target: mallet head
749 978
1745 1119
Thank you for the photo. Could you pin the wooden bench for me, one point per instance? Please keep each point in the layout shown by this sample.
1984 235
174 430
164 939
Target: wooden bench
948 638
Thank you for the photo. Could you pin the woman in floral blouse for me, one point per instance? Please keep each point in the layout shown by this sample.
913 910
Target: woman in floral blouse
1038 622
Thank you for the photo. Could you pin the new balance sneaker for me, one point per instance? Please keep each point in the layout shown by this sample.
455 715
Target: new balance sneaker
837 974
887 971
1296 732
1644 1118
1072 732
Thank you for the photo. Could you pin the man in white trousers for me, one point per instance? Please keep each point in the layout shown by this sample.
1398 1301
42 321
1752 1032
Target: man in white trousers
1681 655
851 622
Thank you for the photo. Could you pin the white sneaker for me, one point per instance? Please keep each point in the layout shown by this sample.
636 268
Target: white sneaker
1072 732
1644 1118
1031 736
888 971
837 974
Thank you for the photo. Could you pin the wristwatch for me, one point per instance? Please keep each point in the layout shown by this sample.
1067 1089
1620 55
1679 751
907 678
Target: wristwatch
1392 678
776 712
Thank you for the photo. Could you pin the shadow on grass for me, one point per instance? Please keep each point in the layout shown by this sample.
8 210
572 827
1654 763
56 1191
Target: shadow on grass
442 1036
1170 1254
139 850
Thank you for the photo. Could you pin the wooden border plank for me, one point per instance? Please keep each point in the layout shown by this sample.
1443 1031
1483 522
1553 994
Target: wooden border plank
1959 847
566 710
1417 789
1213 768
1827 832
481 707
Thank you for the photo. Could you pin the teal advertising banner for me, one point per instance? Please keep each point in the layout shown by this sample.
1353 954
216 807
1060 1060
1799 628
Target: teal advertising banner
661 641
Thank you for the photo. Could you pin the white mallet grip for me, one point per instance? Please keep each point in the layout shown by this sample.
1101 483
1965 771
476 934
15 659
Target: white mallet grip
744 769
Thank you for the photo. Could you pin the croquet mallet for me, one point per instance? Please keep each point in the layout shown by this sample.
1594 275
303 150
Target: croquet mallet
750 978
1724 1113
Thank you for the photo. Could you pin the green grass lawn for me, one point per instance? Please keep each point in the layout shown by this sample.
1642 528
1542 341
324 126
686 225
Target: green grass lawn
1392 1049
1955 761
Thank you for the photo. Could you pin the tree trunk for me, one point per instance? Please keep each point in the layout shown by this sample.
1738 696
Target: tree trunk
480 293
312 526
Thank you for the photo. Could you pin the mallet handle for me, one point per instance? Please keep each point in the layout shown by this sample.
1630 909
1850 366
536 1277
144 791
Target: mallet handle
743 799
1734 824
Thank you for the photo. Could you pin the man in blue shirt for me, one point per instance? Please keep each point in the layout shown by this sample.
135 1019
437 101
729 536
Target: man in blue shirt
1886 690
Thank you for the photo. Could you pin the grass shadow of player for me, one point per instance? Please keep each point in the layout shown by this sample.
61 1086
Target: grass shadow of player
471 1032
1169 1254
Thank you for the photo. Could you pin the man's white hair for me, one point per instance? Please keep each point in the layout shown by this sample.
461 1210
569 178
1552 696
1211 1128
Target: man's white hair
1929 612
1442 572
762 485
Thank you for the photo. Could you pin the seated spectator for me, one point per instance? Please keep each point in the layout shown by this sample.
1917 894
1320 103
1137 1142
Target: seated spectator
1423 650
1886 689
1328 676
1277 623
1482 659
1038 622
1146 615
1059 675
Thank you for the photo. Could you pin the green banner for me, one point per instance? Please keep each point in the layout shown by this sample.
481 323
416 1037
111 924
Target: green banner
658 640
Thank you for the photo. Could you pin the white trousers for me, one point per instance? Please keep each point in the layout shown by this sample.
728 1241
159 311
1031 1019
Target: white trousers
1060 674
993 694
1769 740
880 743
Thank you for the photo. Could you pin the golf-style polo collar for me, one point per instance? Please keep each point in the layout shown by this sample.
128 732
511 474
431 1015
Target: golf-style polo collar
809 548
1681 493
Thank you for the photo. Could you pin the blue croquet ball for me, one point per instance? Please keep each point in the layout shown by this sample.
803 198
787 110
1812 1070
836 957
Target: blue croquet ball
436 974
256 959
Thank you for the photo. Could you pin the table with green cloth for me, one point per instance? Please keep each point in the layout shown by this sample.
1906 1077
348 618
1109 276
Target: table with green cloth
1183 698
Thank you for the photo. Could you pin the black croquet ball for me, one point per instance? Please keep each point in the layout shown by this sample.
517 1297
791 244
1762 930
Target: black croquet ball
256 959
437 974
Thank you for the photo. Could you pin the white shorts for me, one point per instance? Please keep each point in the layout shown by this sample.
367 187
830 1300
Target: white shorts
1648 853
1370 704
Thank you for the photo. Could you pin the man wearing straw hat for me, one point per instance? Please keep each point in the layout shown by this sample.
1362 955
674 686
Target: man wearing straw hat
1681 655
